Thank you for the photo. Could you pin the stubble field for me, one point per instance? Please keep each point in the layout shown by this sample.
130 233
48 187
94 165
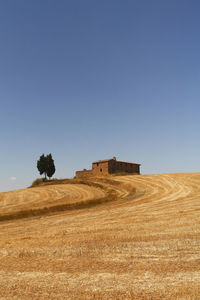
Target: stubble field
143 244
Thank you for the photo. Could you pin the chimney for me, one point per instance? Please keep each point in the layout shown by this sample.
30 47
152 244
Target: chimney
114 158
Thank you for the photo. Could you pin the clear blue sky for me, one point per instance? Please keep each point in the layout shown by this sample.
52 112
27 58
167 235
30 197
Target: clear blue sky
87 80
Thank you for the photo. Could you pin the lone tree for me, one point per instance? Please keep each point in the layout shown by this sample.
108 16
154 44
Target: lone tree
50 166
46 166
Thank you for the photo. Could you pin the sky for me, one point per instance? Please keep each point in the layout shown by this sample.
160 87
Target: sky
93 79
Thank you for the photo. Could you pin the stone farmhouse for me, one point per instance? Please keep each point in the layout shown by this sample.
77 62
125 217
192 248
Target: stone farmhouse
109 166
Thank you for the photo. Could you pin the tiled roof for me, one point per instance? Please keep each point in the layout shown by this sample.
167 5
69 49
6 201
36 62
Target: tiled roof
126 162
105 160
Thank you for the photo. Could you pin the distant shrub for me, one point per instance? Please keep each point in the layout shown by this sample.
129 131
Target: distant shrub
37 181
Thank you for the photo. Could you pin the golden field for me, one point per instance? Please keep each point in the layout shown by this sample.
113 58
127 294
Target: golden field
141 243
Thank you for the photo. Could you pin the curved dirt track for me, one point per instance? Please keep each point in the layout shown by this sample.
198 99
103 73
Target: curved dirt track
145 245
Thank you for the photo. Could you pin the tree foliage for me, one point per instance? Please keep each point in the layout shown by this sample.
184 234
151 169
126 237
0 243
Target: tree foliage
50 165
46 165
42 165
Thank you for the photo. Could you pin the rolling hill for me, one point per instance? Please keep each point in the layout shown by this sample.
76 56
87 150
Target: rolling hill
119 237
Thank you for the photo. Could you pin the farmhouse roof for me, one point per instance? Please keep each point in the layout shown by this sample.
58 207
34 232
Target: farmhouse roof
105 160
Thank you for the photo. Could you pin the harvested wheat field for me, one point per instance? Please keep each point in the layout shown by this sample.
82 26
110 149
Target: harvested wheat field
140 240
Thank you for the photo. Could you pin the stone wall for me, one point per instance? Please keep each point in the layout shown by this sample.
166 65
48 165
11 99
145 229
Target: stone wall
100 168
84 173
114 166
118 166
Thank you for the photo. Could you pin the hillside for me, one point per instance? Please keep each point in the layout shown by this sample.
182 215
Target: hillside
142 242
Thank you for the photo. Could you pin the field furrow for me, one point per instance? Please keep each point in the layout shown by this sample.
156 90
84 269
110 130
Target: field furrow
143 245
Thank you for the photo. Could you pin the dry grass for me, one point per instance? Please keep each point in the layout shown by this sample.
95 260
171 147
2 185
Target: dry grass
145 245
